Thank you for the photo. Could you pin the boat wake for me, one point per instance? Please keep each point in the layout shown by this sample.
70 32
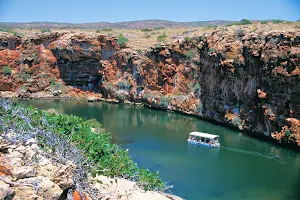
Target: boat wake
265 155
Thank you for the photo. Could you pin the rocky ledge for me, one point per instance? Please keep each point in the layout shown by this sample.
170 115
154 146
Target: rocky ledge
239 76
38 162
27 172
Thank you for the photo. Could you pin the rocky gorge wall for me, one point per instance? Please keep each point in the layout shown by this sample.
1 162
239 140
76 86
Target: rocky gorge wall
233 76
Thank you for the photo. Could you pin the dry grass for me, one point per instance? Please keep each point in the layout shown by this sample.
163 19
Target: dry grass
143 40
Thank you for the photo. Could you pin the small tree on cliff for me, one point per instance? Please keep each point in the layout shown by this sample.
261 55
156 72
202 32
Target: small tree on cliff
45 30
122 40
245 22
6 71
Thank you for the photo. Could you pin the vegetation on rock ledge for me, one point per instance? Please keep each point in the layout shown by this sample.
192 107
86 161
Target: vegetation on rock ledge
95 143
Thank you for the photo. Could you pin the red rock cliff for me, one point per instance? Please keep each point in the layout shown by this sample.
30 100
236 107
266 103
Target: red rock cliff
245 79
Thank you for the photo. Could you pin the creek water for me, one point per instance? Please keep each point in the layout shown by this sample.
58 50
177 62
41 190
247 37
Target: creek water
243 168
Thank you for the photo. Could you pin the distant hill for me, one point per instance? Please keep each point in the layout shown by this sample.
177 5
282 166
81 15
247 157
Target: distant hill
129 24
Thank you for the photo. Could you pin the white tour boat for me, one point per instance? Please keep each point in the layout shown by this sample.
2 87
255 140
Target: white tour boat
204 139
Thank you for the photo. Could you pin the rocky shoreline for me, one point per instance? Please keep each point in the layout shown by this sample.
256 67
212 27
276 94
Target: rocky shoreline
26 172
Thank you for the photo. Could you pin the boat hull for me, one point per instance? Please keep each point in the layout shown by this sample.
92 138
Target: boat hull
203 144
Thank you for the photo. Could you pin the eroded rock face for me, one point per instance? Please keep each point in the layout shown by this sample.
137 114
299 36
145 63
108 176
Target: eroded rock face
234 76
31 175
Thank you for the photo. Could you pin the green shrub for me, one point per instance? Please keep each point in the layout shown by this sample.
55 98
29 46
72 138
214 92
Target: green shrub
147 36
197 88
242 22
211 50
159 28
57 86
146 30
96 125
187 39
103 157
190 54
45 30
121 97
106 29
124 85
245 22
140 52
265 22
98 31
162 37
200 108
118 74
52 81
236 121
287 133
164 101
6 71
277 21
122 40
26 77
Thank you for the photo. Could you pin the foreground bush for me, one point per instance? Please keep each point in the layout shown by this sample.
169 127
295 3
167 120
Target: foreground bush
122 40
6 71
102 156
45 30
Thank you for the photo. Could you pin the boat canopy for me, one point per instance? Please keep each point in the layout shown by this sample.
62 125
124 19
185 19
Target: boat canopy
204 135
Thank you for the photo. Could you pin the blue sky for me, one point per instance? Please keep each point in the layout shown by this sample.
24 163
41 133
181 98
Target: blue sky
80 11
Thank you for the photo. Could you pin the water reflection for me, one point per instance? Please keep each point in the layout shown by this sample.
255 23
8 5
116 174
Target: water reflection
243 168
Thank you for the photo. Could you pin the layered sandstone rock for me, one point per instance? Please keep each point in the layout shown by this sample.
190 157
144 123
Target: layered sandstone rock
249 79
27 173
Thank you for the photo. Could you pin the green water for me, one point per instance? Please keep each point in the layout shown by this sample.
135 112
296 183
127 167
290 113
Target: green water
243 168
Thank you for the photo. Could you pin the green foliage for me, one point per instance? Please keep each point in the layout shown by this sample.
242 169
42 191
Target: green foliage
245 22
45 30
211 50
242 22
96 125
140 52
236 121
190 54
265 22
57 86
98 31
9 31
121 97
159 28
147 36
6 71
287 133
103 156
122 40
124 85
200 108
278 21
164 101
187 39
197 88
162 37
118 74
106 29
52 81
146 30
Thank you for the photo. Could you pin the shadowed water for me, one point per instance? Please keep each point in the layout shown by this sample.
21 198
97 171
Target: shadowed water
243 168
